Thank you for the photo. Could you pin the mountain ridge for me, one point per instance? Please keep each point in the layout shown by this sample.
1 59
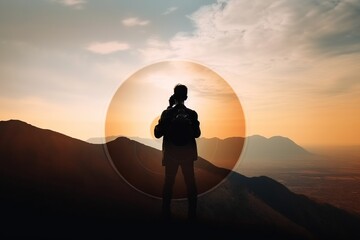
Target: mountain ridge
74 179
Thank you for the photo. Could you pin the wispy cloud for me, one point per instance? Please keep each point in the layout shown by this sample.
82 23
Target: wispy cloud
133 22
343 86
107 47
170 10
156 49
76 4
265 33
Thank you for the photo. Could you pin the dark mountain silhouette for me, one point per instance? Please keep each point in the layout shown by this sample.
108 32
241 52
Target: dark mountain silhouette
54 186
133 159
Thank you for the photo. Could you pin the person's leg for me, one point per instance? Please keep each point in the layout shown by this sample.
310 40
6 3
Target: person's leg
170 174
189 177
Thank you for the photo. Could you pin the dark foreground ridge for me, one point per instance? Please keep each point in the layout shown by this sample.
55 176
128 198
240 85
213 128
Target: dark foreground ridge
55 186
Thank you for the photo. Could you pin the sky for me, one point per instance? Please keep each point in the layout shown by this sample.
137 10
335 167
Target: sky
137 105
294 65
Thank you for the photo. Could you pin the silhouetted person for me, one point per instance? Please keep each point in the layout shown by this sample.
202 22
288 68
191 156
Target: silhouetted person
179 126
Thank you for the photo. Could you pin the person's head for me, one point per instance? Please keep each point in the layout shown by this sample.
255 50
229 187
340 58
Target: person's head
180 93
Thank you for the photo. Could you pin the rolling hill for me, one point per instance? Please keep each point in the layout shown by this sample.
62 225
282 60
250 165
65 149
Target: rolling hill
52 185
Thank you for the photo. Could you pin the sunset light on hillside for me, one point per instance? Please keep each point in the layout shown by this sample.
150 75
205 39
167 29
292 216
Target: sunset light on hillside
236 119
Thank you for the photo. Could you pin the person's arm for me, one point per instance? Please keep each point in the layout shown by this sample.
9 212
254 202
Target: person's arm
159 129
196 125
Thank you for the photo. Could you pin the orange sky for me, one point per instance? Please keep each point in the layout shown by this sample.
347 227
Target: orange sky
143 97
293 65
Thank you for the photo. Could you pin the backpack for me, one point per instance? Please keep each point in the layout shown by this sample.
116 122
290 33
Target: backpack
180 129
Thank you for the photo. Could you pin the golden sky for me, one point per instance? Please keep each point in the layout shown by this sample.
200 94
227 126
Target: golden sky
142 98
293 65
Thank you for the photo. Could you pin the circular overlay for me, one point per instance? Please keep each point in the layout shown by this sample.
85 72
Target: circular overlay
136 107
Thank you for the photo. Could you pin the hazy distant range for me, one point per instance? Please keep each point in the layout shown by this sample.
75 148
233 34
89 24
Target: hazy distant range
327 174
52 185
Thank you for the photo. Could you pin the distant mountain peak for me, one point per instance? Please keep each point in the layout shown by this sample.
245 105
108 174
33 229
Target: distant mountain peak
14 121
281 138
257 136
16 125
260 150
121 139
17 129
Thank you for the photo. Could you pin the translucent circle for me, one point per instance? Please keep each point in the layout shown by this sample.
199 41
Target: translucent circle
134 111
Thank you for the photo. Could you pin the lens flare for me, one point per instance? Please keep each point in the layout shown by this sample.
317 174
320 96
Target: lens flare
136 106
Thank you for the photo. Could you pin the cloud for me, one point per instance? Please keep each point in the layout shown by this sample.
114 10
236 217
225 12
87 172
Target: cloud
343 86
264 34
133 22
156 50
170 10
276 55
107 47
77 4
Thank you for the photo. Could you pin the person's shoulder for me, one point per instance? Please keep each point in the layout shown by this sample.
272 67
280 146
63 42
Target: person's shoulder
188 110
167 111
191 111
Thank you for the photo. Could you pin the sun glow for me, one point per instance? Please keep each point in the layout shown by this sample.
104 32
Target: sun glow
142 98
135 109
